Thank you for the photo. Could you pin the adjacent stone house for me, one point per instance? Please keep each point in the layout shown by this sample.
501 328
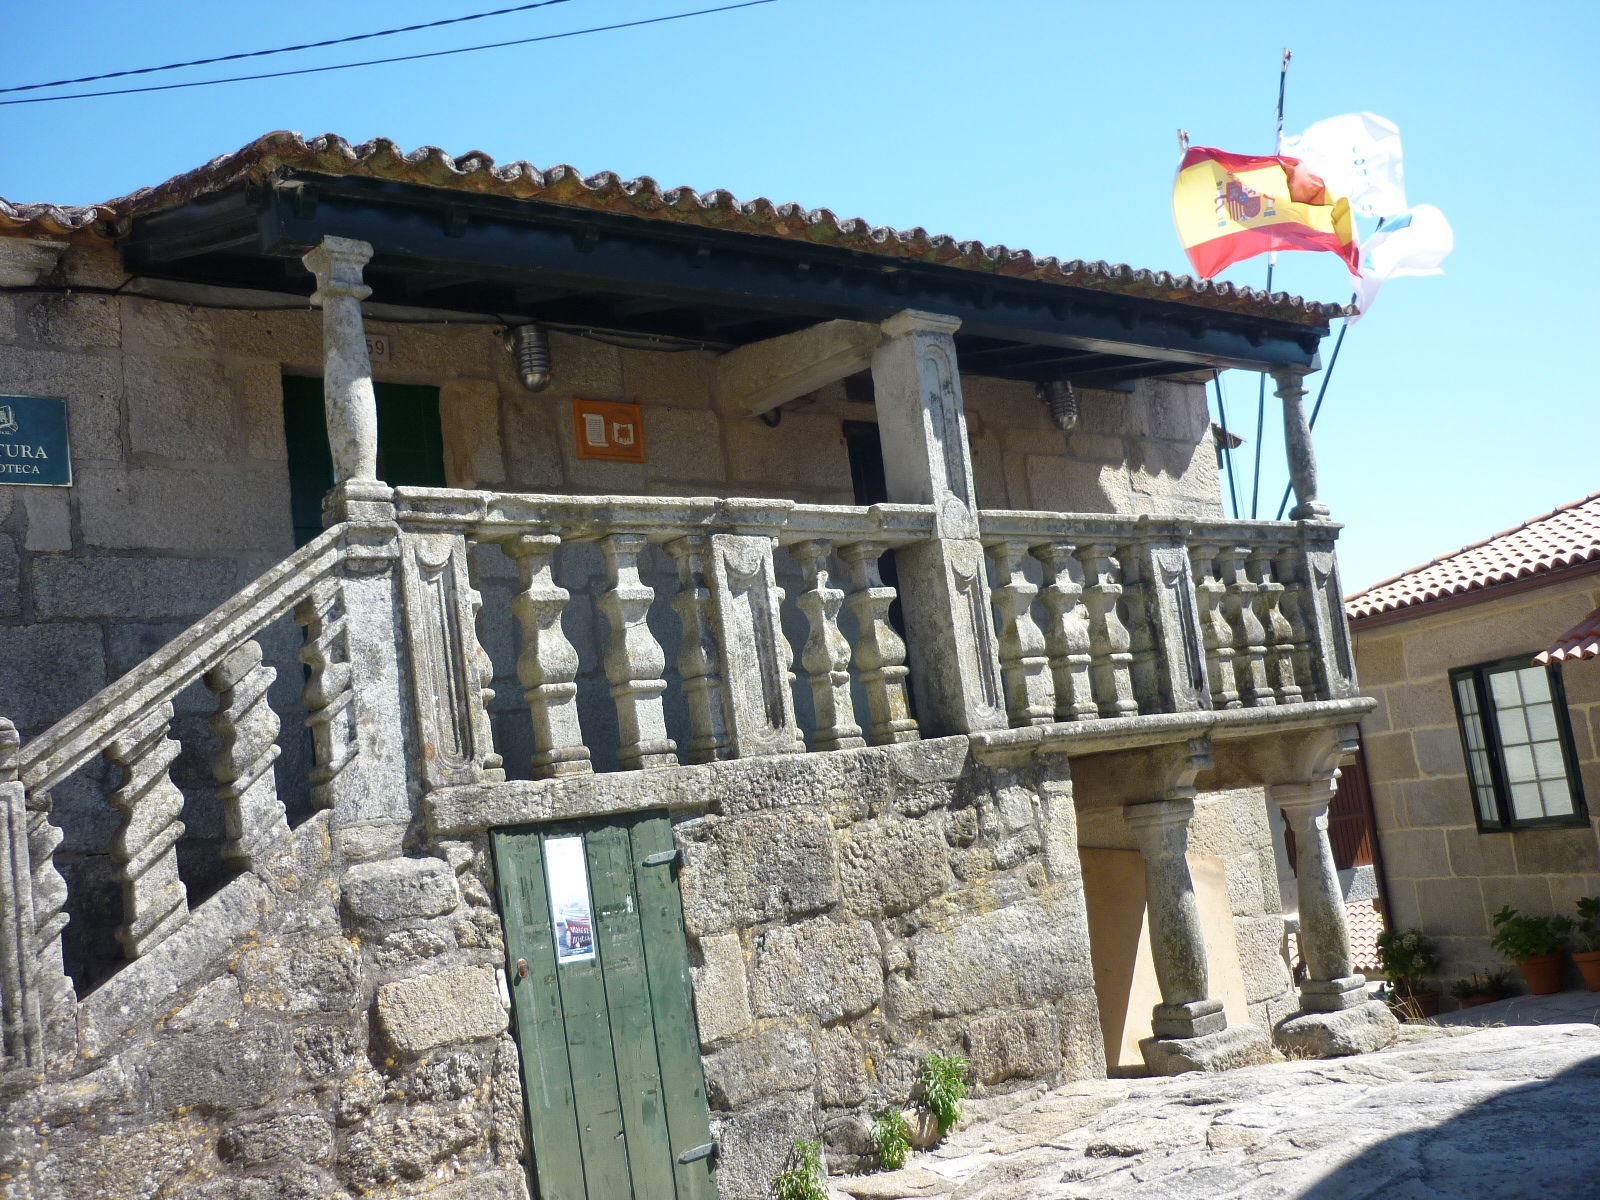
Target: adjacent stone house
1481 750
544 679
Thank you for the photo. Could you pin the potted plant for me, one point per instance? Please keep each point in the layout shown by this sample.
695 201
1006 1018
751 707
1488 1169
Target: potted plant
1483 988
1407 957
1535 944
1587 927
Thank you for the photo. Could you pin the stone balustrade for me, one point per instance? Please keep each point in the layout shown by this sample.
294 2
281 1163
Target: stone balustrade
1104 617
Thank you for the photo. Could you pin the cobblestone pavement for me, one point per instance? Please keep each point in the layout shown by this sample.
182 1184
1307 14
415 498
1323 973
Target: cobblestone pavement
1499 1113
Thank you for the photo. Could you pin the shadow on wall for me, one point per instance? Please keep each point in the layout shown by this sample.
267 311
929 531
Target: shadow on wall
1537 1141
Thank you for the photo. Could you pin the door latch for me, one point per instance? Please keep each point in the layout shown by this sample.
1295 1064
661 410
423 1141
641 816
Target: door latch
666 858
522 968
699 1152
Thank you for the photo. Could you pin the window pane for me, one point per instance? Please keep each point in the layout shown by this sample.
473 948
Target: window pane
1548 762
1542 721
1519 764
1557 799
1486 809
1535 684
1525 802
1503 689
1513 726
1466 696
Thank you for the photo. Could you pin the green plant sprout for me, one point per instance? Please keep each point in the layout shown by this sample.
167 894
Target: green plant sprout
803 1178
893 1136
944 1087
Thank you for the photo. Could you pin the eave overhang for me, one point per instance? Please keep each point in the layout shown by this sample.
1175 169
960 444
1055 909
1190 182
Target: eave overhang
527 260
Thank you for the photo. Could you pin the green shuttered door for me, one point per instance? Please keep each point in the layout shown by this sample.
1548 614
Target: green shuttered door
610 1055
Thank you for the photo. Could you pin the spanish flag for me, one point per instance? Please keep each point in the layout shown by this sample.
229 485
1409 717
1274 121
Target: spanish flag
1230 207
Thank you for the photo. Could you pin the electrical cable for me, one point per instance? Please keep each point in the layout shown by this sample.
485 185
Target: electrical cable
378 62
1227 443
664 342
205 62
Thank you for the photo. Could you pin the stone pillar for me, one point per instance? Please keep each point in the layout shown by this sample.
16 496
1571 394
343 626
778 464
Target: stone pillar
1335 1016
955 668
1177 942
1297 438
347 396
1331 982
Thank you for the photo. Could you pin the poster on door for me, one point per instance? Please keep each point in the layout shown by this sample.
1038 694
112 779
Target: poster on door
570 915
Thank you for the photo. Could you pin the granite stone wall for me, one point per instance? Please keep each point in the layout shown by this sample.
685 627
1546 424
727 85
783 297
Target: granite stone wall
1443 875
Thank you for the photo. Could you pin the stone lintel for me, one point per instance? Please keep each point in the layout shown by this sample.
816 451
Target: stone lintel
764 375
24 261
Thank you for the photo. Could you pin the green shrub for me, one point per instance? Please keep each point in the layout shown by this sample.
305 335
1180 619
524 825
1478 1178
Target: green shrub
1406 958
803 1178
893 1136
944 1087
1492 983
1521 936
1588 923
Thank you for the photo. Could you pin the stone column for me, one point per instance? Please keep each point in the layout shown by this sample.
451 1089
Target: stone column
1335 1016
348 401
955 668
1297 438
1177 942
1331 982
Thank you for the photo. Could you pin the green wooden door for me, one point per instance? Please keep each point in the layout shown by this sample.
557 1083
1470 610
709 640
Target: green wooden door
604 1013
410 444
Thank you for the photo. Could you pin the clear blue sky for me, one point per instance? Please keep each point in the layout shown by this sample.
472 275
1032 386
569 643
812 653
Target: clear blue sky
1462 405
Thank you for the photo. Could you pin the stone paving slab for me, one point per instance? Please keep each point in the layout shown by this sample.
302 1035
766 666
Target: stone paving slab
1502 1113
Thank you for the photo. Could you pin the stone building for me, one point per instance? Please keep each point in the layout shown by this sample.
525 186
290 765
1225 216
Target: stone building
1481 752
604 685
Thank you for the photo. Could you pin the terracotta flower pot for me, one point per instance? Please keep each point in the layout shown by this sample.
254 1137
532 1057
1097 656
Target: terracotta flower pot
1478 998
1589 963
1542 973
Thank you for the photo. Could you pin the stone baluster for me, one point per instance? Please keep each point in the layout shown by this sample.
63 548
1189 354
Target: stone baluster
1215 631
634 660
879 653
329 698
1279 634
1066 631
699 662
1024 665
50 980
1110 657
1139 601
154 901
547 666
1249 638
826 654
944 593
252 815
1292 605
1328 632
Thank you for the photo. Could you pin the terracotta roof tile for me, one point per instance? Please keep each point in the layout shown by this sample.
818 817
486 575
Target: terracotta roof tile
1365 923
281 152
1581 641
1563 537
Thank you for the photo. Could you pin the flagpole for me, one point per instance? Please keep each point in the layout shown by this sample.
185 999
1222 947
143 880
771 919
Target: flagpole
1272 261
1316 408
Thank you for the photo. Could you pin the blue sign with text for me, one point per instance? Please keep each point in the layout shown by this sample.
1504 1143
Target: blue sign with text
33 441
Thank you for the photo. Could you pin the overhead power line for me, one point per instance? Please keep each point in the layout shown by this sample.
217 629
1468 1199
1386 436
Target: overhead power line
376 62
356 37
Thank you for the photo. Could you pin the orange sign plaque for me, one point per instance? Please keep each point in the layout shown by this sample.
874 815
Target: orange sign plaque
608 429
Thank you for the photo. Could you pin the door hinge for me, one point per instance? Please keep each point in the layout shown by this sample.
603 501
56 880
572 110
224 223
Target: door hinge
666 858
699 1152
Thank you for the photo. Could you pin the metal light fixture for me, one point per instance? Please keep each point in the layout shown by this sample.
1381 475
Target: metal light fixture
1063 402
530 346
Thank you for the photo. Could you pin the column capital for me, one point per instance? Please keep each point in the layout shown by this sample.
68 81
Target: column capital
337 263
1303 803
913 320
1159 814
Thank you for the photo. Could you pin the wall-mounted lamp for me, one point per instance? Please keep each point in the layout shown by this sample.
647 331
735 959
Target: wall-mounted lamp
1063 402
530 346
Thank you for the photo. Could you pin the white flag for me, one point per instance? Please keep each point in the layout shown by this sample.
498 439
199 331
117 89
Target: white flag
1413 243
1357 155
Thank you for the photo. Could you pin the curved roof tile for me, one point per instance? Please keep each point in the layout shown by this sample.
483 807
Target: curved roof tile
1563 537
282 151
